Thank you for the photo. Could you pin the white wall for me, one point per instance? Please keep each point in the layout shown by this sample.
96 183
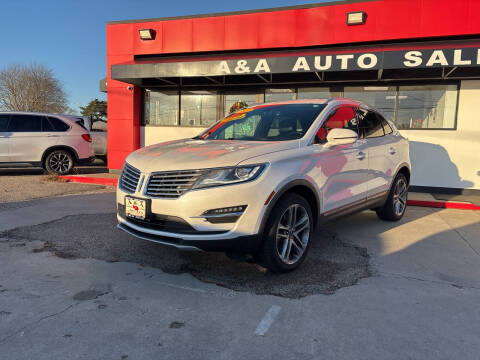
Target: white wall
450 158
154 134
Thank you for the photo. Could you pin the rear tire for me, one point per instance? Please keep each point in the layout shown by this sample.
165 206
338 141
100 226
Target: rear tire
59 162
396 203
287 234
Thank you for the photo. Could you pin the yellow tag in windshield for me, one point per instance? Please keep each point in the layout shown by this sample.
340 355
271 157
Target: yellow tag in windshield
236 115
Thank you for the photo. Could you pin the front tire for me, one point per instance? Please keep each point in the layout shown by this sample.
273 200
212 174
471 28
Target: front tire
288 234
396 203
59 162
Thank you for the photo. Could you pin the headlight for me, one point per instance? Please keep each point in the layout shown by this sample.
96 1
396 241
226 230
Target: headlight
227 176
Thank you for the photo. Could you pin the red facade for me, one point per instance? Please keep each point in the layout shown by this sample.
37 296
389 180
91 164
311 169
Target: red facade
325 25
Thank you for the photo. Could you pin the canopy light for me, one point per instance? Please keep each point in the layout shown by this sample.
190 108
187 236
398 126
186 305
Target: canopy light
147 34
356 18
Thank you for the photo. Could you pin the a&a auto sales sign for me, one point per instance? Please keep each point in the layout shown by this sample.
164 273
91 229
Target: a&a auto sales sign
398 59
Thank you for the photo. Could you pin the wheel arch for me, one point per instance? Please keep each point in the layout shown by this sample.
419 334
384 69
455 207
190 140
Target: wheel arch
59 147
404 169
300 187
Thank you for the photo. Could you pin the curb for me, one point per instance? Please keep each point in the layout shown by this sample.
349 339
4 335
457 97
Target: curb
90 180
444 204
422 203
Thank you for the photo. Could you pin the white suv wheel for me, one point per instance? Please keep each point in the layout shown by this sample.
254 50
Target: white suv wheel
287 234
59 162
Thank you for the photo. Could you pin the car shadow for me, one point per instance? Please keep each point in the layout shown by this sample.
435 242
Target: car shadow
438 245
433 167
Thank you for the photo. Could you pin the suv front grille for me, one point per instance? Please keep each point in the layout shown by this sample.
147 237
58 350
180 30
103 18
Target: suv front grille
129 179
172 184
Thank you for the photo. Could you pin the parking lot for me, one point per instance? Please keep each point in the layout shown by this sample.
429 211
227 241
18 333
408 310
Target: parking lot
71 285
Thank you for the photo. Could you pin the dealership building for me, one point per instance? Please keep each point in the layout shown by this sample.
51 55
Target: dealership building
417 61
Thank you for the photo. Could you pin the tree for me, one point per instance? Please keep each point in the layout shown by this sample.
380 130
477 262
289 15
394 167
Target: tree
96 110
31 88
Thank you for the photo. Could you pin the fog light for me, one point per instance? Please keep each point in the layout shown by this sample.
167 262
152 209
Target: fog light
227 210
224 215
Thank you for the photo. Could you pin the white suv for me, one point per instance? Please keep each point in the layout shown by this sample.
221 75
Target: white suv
261 180
54 142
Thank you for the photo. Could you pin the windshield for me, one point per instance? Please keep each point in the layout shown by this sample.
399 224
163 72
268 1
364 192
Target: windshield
265 123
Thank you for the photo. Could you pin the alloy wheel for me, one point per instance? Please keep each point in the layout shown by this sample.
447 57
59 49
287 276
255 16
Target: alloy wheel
293 233
400 197
60 162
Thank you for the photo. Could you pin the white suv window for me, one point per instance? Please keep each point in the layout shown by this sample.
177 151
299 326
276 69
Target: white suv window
57 124
3 123
25 123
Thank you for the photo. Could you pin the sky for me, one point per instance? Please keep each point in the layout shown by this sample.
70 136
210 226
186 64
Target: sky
69 37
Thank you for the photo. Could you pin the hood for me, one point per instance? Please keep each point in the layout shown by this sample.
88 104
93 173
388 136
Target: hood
189 154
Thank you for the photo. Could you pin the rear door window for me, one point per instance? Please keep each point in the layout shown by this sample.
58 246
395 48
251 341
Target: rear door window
370 124
3 123
58 125
46 125
25 123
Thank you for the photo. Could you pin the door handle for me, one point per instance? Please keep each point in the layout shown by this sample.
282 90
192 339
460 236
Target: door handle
361 155
52 135
392 150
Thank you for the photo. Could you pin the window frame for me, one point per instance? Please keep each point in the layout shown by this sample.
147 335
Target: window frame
455 120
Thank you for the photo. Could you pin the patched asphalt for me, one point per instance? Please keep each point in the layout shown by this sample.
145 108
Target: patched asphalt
331 263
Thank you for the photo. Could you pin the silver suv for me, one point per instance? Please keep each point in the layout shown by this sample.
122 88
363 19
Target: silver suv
53 142
263 178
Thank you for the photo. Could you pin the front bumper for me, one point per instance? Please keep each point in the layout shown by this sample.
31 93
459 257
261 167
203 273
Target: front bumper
180 222
242 244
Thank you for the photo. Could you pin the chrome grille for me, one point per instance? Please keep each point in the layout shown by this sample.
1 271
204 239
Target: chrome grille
172 184
129 179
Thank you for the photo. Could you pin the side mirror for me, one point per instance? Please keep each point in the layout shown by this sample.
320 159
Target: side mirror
341 136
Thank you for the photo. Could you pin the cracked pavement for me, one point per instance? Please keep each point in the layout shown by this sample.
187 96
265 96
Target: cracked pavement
421 301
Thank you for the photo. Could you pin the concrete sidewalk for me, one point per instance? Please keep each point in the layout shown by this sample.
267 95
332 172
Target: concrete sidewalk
421 301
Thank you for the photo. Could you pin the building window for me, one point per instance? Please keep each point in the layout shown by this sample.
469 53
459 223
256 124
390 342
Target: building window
380 97
199 108
411 106
314 93
427 107
236 100
272 95
161 107
408 106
